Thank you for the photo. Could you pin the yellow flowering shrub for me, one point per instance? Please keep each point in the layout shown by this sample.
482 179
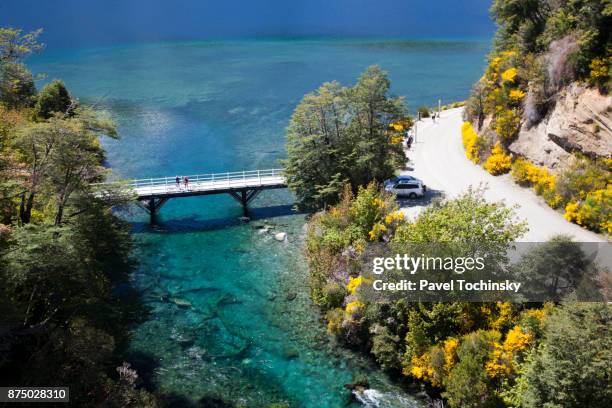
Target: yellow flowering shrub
507 124
335 319
395 216
450 353
599 69
504 315
509 75
377 230
516 95
428 367
396 139
517 339
354 307
501 363
398 126
498 162
354 283
379 203
595 212
543 182
471 141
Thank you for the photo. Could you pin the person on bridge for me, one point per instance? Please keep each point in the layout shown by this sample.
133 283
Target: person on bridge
186 181
178 182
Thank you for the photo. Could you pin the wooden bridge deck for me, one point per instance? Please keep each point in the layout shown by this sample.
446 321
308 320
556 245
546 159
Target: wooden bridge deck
205 184
244 186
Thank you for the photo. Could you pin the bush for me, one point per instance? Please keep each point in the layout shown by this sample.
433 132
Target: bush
472 142
51 99
424 111
333 295
600 72
544 183
581 177
507 124
595 212
498 162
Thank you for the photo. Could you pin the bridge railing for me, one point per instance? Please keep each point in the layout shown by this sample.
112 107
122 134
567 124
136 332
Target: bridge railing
204 181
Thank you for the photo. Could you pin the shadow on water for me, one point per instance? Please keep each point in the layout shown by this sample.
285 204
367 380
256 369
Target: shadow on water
194 223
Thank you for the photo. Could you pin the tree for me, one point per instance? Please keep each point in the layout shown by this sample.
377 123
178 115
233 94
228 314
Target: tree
16 81
62 155
476 104
468 218
573 366
16 46
341 135
16 85
467 385
35 142
555 269
53 98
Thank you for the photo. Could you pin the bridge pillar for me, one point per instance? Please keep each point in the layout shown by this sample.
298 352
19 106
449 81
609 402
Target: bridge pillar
152 210
244 197
244 201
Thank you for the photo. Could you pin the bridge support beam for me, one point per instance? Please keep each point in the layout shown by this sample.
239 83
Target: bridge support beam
244 197
152 206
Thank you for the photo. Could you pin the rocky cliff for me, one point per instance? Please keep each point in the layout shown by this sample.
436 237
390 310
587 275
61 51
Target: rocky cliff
581 121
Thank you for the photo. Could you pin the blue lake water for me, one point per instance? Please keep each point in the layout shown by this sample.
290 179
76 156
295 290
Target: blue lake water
221 323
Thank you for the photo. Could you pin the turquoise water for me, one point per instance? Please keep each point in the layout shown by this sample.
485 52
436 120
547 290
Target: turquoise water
230 315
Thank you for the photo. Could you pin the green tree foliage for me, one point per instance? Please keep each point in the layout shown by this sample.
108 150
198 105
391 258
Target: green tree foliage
467 385
395 332
16 85
15 46
62 155
573 366
16 82
53 98
63 254
341 135
557 268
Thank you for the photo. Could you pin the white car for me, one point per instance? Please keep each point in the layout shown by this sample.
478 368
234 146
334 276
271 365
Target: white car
406 186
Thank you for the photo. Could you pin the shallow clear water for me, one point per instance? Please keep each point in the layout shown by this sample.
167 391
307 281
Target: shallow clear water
221 323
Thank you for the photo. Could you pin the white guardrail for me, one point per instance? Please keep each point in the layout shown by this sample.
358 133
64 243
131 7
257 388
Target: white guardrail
203 182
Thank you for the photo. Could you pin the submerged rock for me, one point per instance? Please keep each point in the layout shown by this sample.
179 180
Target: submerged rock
291 296
290 353
182 303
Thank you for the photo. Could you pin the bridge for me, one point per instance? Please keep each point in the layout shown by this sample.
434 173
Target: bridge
243 186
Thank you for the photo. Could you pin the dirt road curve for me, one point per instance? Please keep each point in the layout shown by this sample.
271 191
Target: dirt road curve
438 158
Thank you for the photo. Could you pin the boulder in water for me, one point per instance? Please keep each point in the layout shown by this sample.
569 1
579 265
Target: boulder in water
182 303
290 353
280 236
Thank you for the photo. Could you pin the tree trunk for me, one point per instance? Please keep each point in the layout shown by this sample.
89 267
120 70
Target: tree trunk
60 211
27 214
22 207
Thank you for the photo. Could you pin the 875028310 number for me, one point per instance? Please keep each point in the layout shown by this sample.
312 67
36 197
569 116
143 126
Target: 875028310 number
34 394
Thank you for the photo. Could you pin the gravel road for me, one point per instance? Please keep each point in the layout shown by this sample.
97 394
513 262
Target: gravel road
438 158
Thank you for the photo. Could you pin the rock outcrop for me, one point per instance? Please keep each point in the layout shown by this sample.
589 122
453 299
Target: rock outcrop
581 121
